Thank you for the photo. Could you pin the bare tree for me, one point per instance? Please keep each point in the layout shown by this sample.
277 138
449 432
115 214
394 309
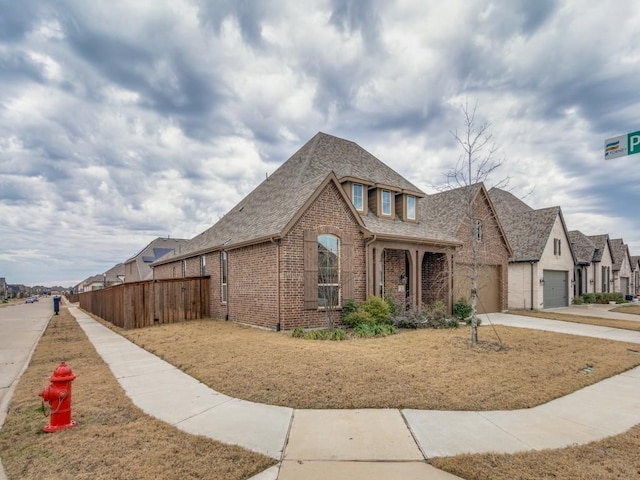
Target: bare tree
476 164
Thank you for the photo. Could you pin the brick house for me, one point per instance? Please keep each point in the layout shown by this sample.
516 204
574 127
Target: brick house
334 223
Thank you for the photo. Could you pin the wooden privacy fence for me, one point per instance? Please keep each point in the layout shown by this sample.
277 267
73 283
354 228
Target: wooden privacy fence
142 304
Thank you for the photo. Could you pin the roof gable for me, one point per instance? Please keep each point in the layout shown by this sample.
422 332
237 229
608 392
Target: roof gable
583 247
619 252
272 207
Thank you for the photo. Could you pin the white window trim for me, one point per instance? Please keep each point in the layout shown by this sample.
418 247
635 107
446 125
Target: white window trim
415 207
388 214
339 299
353 196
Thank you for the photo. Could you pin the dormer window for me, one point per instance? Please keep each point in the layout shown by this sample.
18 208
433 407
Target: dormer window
358 198
411 207
386 202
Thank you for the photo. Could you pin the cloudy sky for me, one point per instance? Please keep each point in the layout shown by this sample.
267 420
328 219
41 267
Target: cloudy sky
122 121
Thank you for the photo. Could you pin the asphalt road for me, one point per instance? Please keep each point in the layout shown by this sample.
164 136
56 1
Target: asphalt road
21 326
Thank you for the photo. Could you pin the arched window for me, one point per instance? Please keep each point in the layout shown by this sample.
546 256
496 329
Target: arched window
328 271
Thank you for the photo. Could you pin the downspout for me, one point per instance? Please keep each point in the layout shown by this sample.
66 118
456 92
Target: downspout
531 263
277 244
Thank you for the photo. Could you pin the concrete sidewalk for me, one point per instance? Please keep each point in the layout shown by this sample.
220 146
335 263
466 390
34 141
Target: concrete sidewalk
378 444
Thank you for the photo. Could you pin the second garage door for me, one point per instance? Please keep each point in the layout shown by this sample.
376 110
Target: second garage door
556 288
489 286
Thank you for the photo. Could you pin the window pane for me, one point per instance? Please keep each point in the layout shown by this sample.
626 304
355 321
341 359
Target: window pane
386 202
328 295
411 207
357 196
328 271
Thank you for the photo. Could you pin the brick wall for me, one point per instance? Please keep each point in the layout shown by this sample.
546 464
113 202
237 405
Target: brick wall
434 278
328 214
252 285
394 266
492 250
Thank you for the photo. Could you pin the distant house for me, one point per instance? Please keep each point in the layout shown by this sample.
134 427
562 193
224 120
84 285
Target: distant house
602 264
621 266
542 266
635 274
584 275
113 276
334 223
4 289
138 267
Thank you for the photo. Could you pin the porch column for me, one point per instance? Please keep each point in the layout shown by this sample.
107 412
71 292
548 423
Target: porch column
414 278
420 256
377 258
450 281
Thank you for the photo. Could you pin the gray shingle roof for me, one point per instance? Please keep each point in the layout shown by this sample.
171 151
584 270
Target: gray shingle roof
600 242
618 249
268 209
527 230
635 261
583 247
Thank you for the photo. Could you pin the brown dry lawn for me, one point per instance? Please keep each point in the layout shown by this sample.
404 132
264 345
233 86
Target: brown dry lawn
424 369
631 308
569 317
113 438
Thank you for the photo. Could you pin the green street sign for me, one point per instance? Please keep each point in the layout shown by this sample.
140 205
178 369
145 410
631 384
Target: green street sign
622 145
633 143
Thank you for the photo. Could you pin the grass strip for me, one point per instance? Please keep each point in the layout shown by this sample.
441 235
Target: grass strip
569 317
113 439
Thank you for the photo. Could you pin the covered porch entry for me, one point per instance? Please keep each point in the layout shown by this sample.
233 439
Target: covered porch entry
415 275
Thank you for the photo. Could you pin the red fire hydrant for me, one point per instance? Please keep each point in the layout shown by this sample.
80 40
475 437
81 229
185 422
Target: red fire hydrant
58 395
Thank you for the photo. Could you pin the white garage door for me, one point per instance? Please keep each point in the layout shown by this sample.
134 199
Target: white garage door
555 288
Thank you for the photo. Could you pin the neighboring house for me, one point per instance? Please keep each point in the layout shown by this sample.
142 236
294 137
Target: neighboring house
635 274
113 276
4 289
138 267
602 264
585 250
621 266
333 223
541 268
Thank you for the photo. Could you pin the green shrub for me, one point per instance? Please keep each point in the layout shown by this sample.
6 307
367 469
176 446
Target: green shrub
374 311
318 335
378 309
462 309
577 301
358 317
349 306
298 332
366 330
338 335
588 298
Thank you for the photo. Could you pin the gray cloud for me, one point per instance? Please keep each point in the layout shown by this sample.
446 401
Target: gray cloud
119 123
